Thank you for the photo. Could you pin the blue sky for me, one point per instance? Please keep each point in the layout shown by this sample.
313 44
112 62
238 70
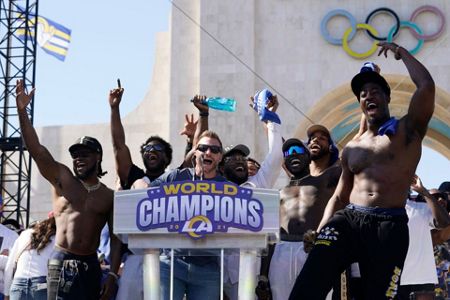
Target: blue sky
115 39
110 39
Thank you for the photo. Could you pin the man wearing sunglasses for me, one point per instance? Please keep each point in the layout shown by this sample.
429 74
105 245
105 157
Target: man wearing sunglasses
424 214
82 206
196 276
156 152
439 236
302 204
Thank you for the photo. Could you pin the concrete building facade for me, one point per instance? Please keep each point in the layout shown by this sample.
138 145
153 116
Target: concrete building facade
234 48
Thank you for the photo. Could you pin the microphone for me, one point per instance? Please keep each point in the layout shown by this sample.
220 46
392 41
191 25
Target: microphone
201 158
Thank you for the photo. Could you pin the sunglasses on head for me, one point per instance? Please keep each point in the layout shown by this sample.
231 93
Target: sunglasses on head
153 147
213 148
294 150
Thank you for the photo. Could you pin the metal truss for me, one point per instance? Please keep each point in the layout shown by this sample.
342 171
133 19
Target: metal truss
17 61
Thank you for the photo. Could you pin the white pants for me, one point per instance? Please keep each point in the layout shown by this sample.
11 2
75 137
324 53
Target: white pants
286 263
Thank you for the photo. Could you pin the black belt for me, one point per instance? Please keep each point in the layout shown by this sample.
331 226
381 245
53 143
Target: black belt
291 237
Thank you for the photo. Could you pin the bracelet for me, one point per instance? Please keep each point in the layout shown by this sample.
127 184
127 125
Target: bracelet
113 275
204 113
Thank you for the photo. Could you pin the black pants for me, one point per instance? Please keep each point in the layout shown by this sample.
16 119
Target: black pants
376 238
73 276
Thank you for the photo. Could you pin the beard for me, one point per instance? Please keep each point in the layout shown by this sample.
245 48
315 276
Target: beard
302 169
235 178
86 174
323 152
158 167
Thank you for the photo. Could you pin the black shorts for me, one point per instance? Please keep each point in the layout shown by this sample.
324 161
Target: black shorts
376 238
73 276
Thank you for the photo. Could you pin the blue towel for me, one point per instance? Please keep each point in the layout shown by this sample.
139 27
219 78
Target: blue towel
260 105
389 127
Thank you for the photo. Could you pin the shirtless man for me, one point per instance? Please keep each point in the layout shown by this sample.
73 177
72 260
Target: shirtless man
82 205
314 173
373 188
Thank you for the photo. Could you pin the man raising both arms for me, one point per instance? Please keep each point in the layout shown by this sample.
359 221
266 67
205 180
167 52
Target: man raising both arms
376 171
82 205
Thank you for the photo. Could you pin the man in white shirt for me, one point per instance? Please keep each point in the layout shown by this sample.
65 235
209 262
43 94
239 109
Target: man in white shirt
419 271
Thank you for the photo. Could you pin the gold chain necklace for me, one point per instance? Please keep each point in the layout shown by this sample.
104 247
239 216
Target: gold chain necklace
91 188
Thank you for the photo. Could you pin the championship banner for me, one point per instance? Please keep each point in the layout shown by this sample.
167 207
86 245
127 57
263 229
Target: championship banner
197 208
195 213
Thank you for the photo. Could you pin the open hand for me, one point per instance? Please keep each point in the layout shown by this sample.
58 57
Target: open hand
189 126
385 47
22 97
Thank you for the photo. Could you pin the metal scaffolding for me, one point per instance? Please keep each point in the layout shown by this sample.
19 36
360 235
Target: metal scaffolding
18 29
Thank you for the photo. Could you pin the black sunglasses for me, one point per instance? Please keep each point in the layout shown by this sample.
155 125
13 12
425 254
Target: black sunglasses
213 148
154 147
81 154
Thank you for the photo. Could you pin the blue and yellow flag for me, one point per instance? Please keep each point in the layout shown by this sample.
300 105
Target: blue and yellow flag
52 37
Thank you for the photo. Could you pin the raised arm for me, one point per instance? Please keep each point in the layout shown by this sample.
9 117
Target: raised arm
202 125
48 167
440 216
189 128
271 166
121 151
341 195
421 107
203 114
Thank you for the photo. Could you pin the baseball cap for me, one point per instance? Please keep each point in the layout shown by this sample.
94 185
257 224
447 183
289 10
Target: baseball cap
238 148
444 187
368 73
334 149
316 127
293 142
88 142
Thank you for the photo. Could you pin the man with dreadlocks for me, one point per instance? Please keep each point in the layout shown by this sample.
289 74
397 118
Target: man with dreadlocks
82 205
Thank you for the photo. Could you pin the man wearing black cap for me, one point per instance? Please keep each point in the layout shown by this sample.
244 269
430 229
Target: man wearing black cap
235 169
445 188
234 163
377 168
302 203
82 205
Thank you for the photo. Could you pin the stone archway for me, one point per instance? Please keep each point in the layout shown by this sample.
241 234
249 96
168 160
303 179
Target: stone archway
339 111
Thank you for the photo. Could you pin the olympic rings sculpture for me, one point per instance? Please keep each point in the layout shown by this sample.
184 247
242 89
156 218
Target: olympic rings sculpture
350 32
